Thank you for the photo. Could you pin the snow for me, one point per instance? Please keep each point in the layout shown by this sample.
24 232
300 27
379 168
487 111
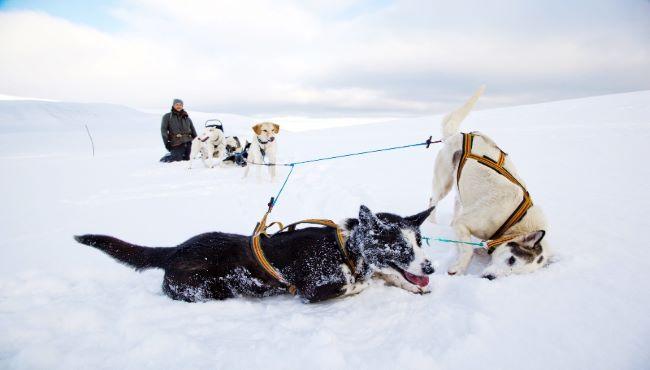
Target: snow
63 305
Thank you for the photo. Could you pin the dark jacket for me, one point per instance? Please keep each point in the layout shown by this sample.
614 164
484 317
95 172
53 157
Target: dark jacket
176 128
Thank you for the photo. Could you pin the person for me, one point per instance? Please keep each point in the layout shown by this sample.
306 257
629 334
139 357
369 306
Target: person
177 132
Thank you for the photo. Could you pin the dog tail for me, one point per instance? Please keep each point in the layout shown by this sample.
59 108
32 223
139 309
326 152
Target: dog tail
451 122
140 258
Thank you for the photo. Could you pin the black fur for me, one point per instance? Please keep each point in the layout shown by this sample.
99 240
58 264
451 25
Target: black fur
219 266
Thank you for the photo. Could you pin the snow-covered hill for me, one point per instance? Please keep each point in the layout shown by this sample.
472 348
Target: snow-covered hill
63 305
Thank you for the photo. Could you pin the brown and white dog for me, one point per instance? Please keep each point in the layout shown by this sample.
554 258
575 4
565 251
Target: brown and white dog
263 148
485 200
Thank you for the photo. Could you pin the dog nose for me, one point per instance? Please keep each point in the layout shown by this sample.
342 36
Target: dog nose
489 277
427 268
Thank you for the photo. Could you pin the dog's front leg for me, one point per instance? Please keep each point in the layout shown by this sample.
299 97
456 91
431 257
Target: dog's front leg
352 287
465 252
355 288
193 152
219 154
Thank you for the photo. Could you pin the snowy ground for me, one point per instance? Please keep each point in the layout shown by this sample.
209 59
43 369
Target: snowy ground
67 306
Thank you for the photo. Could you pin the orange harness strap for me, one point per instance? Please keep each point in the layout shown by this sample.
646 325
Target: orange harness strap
261 228
494 243
519 212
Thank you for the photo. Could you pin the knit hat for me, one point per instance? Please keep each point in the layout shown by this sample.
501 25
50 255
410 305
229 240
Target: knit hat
176 101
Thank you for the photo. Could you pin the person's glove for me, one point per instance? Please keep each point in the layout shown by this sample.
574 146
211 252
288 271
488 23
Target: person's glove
168 146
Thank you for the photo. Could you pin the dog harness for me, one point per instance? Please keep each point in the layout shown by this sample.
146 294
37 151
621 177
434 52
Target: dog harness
498 237
258 252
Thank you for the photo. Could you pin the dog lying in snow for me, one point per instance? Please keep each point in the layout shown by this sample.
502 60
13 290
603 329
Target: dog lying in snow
220 266
211 145
486 200
236 153
264 148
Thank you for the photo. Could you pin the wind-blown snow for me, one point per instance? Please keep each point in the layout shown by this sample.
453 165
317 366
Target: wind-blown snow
65 306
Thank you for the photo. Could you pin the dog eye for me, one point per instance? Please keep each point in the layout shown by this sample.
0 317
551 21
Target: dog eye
512 260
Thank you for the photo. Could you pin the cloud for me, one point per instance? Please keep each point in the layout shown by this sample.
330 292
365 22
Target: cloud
330 58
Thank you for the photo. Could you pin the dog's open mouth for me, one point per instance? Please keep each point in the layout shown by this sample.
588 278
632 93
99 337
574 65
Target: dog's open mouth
418 280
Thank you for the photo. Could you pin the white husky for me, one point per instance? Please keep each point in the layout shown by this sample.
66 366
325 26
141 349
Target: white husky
211 145
492 201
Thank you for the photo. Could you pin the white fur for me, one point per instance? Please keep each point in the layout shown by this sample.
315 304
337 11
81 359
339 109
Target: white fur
265 135
500 266
211 145
415 267
485 198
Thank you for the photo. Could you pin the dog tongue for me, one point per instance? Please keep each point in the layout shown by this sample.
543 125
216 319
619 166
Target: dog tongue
417 280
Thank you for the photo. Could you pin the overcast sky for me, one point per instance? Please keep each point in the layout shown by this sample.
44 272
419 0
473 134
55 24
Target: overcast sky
322 57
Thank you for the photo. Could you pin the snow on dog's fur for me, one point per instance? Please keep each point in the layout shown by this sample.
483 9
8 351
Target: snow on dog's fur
484 201
211 145
220 266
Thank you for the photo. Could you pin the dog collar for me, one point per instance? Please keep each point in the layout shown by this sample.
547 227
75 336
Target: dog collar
265 142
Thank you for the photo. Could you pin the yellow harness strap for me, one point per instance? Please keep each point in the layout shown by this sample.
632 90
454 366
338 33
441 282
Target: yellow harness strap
519 212
261 228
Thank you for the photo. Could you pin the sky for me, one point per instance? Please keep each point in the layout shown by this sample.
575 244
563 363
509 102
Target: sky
322 58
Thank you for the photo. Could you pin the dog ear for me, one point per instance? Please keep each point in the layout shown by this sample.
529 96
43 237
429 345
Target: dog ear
258 129
366 217
533 238
276 128
418 219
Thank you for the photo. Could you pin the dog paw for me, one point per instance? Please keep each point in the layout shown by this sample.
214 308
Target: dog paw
456 270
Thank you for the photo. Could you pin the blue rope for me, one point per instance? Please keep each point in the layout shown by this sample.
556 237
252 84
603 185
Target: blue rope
360 153
294 164
426 239
289 164
275 200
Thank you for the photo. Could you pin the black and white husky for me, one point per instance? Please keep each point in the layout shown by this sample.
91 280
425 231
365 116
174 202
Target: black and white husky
219 266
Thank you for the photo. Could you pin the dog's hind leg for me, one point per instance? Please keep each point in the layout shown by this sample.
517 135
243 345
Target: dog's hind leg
443 179
465 252
190 286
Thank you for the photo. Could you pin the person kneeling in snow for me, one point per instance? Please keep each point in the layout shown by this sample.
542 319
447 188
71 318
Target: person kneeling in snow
177 132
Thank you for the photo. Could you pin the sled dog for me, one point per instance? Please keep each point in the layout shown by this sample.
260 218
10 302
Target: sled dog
236 153
211 145
492 201
312 260
263 149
